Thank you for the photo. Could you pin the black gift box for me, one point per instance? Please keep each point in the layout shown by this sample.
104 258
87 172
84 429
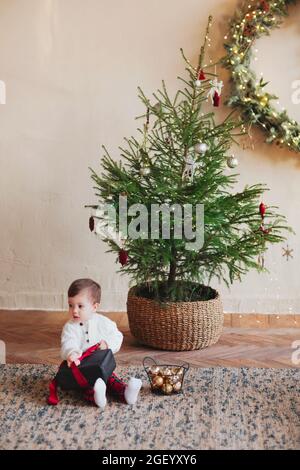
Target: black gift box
100 364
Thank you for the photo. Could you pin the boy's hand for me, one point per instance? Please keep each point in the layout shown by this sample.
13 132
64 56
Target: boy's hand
73 358
103 344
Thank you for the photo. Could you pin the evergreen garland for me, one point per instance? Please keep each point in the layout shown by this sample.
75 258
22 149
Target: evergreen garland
250 22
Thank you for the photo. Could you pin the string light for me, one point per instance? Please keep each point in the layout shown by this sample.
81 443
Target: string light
243 32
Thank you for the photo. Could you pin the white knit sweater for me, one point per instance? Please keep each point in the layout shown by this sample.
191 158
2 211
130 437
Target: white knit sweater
78 337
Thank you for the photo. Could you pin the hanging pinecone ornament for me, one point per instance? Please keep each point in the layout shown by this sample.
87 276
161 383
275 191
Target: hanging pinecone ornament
91 223
123 256
264 230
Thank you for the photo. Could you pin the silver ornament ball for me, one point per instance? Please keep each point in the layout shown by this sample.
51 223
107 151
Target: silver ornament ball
201 147
145 171
197 83
232 161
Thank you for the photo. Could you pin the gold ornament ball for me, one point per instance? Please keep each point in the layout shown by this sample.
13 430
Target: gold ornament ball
167 388
177 386
157 381
153 370
264 101
175 379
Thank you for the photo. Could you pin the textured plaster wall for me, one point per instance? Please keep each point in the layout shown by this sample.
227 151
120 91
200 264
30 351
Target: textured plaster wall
71 70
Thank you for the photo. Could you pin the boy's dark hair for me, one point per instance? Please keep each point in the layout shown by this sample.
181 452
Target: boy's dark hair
80 284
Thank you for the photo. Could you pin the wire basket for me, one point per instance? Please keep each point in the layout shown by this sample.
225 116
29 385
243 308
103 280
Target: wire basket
165 379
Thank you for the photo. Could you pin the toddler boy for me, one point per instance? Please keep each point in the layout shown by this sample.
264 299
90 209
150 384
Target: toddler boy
86 328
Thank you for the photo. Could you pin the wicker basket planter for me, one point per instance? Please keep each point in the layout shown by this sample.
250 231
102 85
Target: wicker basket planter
175 326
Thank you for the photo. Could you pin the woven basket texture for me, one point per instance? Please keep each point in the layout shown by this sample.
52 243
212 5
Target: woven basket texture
175 326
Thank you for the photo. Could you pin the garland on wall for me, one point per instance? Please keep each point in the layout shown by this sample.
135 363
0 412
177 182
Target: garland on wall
254 20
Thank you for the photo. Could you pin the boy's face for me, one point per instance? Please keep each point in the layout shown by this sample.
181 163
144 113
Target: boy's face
81 307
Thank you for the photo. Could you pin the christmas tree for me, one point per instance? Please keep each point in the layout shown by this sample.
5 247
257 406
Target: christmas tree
181 160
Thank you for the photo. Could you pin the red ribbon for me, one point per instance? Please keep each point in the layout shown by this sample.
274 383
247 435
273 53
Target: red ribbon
78 376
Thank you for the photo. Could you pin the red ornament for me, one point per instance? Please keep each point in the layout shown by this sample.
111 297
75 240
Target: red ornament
123 257
249 30
91 223
216 98
262 209
264 230
201 75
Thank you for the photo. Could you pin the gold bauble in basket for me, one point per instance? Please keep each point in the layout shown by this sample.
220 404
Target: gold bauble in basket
167 388
154 370
157 381
175 379
167 371
166 379
177 387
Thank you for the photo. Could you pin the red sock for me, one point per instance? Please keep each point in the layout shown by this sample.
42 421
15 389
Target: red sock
116 387
89 395
53 398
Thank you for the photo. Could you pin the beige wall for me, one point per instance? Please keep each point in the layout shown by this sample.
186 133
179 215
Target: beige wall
71 69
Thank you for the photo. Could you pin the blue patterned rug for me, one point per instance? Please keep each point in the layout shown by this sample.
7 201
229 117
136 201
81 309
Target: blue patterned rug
221 408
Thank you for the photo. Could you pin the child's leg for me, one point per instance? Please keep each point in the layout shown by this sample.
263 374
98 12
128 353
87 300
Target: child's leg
125 393
96 394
